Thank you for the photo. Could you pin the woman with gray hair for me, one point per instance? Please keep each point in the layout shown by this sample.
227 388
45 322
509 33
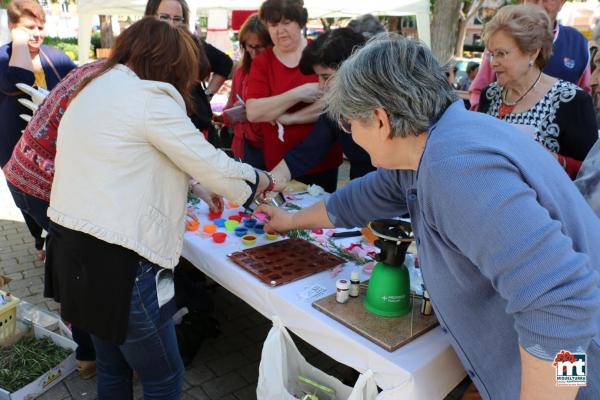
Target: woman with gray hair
556 113
367 25
508 247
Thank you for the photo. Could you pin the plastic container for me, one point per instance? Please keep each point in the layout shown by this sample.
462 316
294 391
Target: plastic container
216 215
237 218
240 231
231 204
219 237
8 316
210 228
249 223
220 222
192 225
249 240
259 229
271 236
230 225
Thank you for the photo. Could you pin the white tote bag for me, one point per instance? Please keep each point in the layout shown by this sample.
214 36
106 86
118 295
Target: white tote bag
282 364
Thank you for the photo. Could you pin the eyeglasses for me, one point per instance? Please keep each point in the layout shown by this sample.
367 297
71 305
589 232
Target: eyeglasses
498 55
175 19
345 125
257 47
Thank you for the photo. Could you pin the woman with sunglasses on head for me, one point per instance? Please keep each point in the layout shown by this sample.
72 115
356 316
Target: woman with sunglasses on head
253 38
125 150
215 66
26 60
556 113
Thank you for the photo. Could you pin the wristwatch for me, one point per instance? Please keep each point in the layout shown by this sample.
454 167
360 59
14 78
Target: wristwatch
208 93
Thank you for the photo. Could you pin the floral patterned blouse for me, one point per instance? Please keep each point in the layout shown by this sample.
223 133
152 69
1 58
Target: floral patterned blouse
563 121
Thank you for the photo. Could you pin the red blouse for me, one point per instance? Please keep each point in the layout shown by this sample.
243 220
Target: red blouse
270 77
242 131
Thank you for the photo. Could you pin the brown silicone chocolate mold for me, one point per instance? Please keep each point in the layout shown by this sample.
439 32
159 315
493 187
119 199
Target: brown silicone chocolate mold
285 261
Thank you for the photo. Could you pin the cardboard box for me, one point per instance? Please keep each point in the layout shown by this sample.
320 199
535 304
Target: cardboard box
50 378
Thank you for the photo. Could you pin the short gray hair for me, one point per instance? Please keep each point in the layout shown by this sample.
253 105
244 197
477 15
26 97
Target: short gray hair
400 75
367 25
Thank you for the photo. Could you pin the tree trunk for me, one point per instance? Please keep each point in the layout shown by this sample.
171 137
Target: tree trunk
460 38
462 26
444 28
394 24
106 32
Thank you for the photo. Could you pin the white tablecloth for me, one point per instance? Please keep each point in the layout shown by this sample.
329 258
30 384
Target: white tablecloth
426 368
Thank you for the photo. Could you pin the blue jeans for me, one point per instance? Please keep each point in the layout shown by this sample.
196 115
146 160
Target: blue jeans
34 213
150 347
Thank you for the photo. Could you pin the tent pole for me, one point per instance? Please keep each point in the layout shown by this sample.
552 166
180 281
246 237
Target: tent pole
84 37
423 28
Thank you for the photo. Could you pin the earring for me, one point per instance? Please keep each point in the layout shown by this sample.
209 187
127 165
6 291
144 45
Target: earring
530 63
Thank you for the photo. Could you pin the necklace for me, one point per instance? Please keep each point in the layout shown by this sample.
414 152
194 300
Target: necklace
506 108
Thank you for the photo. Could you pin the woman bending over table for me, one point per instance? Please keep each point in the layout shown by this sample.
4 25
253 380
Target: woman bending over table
508 246
118 203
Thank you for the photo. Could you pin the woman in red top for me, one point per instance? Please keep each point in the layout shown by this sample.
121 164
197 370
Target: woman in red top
285 101
247 140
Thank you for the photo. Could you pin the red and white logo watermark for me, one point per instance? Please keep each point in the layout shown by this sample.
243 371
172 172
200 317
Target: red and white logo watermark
571 368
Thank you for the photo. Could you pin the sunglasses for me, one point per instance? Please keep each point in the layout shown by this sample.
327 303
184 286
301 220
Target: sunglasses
176 19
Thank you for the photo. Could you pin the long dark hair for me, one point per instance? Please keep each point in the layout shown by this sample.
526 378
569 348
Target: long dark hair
203 62
158 51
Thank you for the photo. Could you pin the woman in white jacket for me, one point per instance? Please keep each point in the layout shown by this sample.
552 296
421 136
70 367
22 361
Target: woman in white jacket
125 150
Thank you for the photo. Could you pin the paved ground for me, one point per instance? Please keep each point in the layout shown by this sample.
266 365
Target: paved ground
225 368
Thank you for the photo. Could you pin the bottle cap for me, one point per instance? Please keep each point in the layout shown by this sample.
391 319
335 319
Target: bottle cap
342 284
355 276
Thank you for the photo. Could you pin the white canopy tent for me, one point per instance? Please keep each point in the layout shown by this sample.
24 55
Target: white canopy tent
316 9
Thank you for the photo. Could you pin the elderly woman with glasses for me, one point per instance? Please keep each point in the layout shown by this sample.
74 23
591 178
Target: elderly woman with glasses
556 113
508 247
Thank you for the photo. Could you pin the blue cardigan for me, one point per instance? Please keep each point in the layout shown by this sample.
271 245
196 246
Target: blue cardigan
12 126
509 249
